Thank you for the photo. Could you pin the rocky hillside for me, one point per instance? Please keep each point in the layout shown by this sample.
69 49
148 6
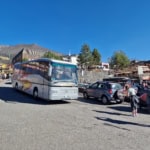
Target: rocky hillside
7 51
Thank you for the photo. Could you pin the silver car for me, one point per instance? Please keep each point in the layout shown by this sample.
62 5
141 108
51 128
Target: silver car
104 91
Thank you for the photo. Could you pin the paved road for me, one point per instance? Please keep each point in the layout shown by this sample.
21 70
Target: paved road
26 124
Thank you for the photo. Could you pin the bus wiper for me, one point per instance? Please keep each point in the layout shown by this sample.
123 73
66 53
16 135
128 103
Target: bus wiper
60 81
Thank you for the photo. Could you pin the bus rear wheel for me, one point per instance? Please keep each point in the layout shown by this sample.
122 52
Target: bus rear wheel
35 94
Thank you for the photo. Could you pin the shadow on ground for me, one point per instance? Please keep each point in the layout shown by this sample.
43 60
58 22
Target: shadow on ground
120 122
91 101
122 108
111 113
10 95
126 108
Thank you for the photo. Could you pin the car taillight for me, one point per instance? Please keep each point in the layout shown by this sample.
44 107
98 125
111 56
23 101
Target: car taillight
110 91
143 97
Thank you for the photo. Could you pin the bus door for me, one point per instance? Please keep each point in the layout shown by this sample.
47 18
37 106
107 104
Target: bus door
45 89
45 85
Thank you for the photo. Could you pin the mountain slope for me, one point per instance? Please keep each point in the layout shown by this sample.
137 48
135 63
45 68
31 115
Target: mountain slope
10 51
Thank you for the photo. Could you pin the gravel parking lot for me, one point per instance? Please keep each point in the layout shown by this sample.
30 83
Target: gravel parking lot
26 124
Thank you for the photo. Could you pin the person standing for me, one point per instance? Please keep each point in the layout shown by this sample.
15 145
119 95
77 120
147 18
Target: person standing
133 99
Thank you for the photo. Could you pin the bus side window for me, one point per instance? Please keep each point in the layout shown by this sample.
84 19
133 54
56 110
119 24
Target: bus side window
44 70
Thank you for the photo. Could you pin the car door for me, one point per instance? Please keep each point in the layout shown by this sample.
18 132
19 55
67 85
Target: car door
100 90
92 90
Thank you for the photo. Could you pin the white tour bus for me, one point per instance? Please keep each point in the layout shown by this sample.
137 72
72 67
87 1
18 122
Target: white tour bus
45 78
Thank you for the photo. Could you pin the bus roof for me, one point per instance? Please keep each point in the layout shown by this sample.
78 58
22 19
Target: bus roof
48 60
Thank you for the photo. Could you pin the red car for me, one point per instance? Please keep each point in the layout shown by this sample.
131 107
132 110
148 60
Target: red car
145 100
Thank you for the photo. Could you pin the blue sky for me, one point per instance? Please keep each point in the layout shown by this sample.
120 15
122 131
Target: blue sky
65 25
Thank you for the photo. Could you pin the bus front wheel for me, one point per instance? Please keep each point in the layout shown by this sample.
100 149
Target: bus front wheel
35 93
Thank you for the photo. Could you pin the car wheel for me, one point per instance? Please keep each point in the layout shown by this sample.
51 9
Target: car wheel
85 95
104 100
35 94
116 95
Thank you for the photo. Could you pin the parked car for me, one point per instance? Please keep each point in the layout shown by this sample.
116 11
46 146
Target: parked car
104 91
145 101
82 87
142 90
144 94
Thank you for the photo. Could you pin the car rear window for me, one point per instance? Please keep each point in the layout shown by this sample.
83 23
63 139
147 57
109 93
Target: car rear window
116 86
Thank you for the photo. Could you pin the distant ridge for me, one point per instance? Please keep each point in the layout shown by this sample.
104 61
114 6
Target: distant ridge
10 51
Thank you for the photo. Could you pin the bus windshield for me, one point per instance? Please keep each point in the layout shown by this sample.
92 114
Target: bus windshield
63 72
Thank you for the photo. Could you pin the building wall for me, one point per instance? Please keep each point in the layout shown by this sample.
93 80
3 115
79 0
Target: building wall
27 54
105 66
18 57
91 76
73 60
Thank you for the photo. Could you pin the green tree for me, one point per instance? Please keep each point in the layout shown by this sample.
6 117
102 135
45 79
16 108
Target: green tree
52 55
119 60
85 56
96 57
